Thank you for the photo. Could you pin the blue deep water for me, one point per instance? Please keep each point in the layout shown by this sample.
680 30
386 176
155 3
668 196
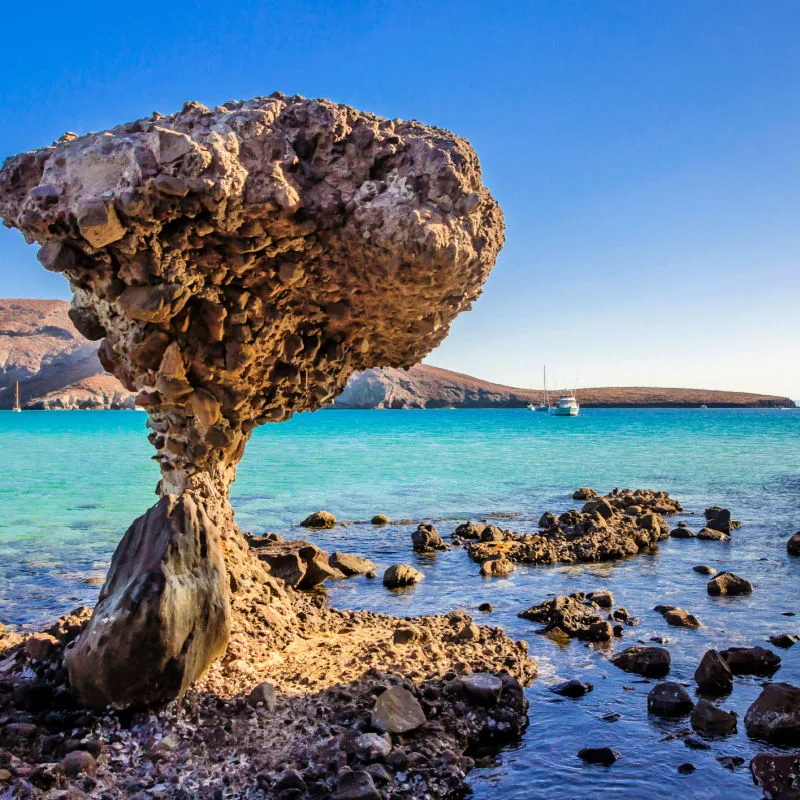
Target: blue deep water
71 482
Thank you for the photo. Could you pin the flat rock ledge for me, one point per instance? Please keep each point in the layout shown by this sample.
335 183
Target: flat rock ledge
316 714
620 524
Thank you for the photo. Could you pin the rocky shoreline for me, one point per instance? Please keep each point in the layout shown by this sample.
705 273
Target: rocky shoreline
370 706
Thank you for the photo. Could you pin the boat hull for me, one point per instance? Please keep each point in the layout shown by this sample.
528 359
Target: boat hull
570 411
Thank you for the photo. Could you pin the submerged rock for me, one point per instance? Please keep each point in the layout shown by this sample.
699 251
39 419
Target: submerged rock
703 569
380 519
784 640
793 545
598 755
572 688
775 714
712 535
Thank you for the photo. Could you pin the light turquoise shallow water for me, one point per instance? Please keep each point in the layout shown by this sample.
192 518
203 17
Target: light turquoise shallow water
71 483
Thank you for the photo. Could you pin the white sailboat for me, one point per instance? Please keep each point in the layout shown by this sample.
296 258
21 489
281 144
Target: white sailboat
546 405
17 406
567 406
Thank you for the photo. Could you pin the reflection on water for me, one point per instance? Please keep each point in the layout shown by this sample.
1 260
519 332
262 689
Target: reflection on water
73 481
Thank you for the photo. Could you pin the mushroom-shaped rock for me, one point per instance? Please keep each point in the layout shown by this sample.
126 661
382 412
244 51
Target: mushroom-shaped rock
239 263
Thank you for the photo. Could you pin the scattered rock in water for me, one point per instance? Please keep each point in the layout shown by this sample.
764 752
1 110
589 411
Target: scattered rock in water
601 531
784 640
487 608
320 520
584 493
778 775
426 539
704 569
483 687
712 721
598 755
650 662
713 675
775 714
726 583
793 545
603 598
751 660
686 768
679 618
397 711
696 743
731 762
351 564
500 567
380 519
712 535
571 617
719 519
264 694
572 688
469 530
398 576
669 699
681 533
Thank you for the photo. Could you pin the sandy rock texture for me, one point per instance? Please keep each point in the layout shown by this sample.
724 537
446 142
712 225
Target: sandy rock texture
237 264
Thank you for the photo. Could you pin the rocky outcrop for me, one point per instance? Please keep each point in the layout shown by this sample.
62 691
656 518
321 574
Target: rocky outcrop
571 617
425 386
623 523
237 265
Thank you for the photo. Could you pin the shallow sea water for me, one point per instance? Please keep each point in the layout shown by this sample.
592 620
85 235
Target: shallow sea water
72 481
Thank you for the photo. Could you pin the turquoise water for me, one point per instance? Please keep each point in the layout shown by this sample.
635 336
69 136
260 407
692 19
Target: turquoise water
72 481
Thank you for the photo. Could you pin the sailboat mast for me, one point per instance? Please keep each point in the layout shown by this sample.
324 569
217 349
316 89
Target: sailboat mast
544 381
17 394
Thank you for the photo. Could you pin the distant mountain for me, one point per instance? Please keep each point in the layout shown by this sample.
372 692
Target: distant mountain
431 387
55 366
58 369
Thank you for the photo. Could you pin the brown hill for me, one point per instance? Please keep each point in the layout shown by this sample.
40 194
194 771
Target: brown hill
431 387
55 366
58 369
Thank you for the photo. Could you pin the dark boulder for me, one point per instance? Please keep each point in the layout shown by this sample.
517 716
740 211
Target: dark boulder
784 640
778 775
751 660
572 688
713 675
669 699
712 721
650 662
719 519
775 714
679 618
793 545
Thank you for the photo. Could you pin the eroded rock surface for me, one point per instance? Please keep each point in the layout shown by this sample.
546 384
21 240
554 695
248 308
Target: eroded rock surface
238 264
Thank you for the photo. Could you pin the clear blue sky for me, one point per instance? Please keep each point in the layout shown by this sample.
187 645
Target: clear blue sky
646 154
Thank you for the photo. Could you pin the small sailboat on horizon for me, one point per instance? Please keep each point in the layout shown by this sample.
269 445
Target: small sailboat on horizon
545 406
17 406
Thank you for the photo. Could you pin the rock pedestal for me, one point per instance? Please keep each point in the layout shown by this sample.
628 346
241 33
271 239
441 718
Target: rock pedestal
239 263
